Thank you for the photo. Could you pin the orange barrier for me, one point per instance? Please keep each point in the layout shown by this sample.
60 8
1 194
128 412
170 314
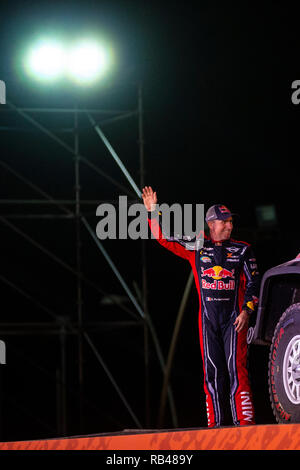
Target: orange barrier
259 437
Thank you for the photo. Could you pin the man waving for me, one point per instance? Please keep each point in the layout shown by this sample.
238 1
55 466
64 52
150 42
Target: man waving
227 282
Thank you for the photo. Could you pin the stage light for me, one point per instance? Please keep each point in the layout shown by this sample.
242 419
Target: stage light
46 60
87 61
83 62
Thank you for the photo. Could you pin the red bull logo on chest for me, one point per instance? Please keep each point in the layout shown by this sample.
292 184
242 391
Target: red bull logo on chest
218 273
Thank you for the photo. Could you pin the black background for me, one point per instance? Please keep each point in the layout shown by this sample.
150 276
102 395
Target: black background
219 126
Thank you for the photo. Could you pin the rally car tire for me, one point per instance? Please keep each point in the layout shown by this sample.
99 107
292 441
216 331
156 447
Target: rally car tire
284 367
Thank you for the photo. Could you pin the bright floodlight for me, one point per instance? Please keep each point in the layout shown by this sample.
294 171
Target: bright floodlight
87 62
46 61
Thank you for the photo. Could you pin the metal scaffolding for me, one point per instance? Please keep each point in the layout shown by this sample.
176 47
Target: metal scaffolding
74 209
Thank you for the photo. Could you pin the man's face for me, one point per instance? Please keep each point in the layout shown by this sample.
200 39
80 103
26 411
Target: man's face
221 229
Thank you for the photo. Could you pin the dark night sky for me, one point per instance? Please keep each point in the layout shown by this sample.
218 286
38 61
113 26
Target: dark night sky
219 126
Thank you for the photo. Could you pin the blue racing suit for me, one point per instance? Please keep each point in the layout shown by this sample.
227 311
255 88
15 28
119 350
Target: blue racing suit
227 282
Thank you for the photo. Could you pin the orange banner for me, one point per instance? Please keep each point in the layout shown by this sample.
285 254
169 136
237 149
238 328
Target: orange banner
261 437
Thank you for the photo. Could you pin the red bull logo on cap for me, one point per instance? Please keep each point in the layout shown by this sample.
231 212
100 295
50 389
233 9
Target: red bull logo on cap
218 273
224 210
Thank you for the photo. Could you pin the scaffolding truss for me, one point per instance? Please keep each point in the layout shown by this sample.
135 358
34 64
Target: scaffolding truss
76 209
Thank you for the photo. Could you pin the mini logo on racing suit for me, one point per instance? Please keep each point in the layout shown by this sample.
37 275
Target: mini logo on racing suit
247 407
232 249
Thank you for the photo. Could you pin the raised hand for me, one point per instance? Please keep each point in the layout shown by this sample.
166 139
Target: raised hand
149 198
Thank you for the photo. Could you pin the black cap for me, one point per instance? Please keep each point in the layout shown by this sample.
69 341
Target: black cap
218 212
